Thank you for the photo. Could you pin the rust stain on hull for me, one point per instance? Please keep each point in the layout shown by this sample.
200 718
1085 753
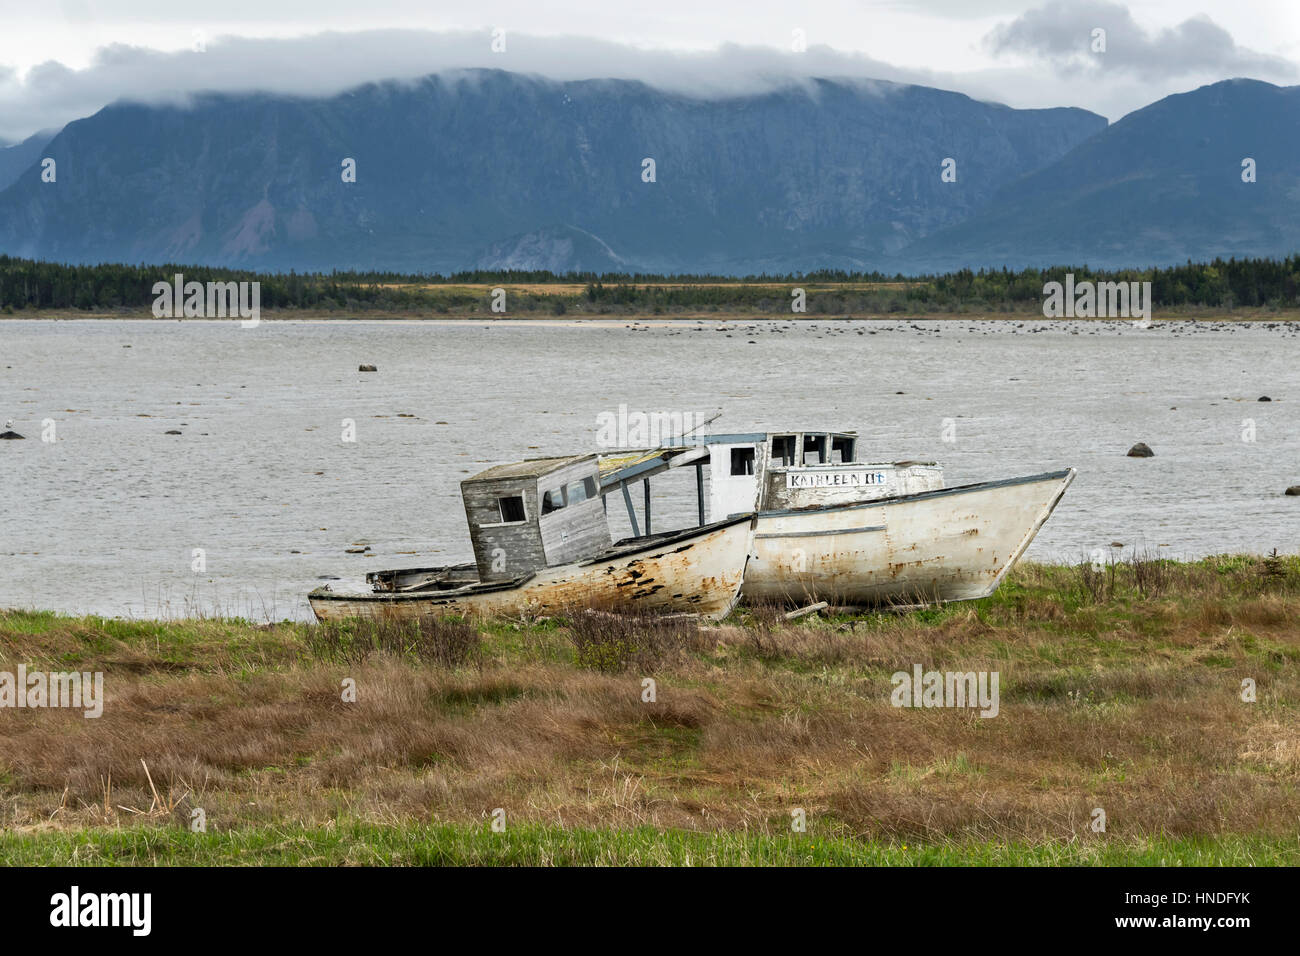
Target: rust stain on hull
704 578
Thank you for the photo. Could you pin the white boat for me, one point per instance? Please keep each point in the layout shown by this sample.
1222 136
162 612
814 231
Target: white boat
851 533
950 544
542 544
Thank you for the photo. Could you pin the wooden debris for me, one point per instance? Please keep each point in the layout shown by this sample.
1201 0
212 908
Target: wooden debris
805 611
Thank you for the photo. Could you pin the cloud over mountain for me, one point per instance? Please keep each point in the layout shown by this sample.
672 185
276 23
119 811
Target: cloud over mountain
1036 58
1060 34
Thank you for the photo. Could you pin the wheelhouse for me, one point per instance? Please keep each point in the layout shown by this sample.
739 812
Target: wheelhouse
534 514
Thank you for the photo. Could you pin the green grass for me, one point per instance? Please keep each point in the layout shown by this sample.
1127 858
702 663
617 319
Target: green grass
459 845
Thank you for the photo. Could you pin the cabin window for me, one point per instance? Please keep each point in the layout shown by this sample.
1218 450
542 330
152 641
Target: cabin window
742 461
783 452
512 508
814 449
841 450
581 490
552 501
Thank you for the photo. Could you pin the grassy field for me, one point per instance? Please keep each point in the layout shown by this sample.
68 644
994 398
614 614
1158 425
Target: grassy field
418 844
1121 690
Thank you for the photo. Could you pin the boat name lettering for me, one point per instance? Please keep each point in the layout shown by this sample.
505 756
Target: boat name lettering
833 479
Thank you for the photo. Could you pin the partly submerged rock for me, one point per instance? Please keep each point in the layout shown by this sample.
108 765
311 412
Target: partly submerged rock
11 436
1293 491
367 368
173 431
1141 450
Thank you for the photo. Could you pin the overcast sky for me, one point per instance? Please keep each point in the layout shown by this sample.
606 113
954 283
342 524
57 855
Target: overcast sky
63 59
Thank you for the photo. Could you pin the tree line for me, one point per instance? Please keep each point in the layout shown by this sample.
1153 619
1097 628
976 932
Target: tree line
27 285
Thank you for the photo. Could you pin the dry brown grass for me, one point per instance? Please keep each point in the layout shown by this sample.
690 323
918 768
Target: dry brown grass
1131 704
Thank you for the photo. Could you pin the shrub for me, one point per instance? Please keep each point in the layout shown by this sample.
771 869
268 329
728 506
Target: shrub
445 642
611 642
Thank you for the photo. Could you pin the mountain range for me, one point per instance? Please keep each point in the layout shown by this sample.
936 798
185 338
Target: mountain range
489 169
15 158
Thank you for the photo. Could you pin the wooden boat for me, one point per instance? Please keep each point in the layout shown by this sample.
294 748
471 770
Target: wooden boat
949 544
854 533
542 544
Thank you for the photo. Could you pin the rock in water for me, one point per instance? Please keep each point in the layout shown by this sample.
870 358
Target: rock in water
10 436
367 368
1141 450
173 431
1293 491
1264 398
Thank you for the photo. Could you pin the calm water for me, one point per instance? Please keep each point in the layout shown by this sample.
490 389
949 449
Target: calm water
106 518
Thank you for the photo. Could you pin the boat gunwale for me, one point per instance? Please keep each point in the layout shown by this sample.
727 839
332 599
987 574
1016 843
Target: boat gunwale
464 566
922 495
668 538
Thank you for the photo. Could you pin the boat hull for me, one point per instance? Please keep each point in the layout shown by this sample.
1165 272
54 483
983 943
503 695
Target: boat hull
953 544
699 571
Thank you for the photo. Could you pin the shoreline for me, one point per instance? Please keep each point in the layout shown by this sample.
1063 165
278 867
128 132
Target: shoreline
577 318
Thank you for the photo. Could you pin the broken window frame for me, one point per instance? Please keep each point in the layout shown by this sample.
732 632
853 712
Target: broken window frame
819 443
501 509
744 456
784 450
845 445
554 500
580 489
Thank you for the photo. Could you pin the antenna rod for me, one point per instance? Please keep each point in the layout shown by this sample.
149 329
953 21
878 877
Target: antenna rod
708 421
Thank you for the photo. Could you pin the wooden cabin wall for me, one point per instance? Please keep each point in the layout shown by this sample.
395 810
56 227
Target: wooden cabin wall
578 530
503 551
